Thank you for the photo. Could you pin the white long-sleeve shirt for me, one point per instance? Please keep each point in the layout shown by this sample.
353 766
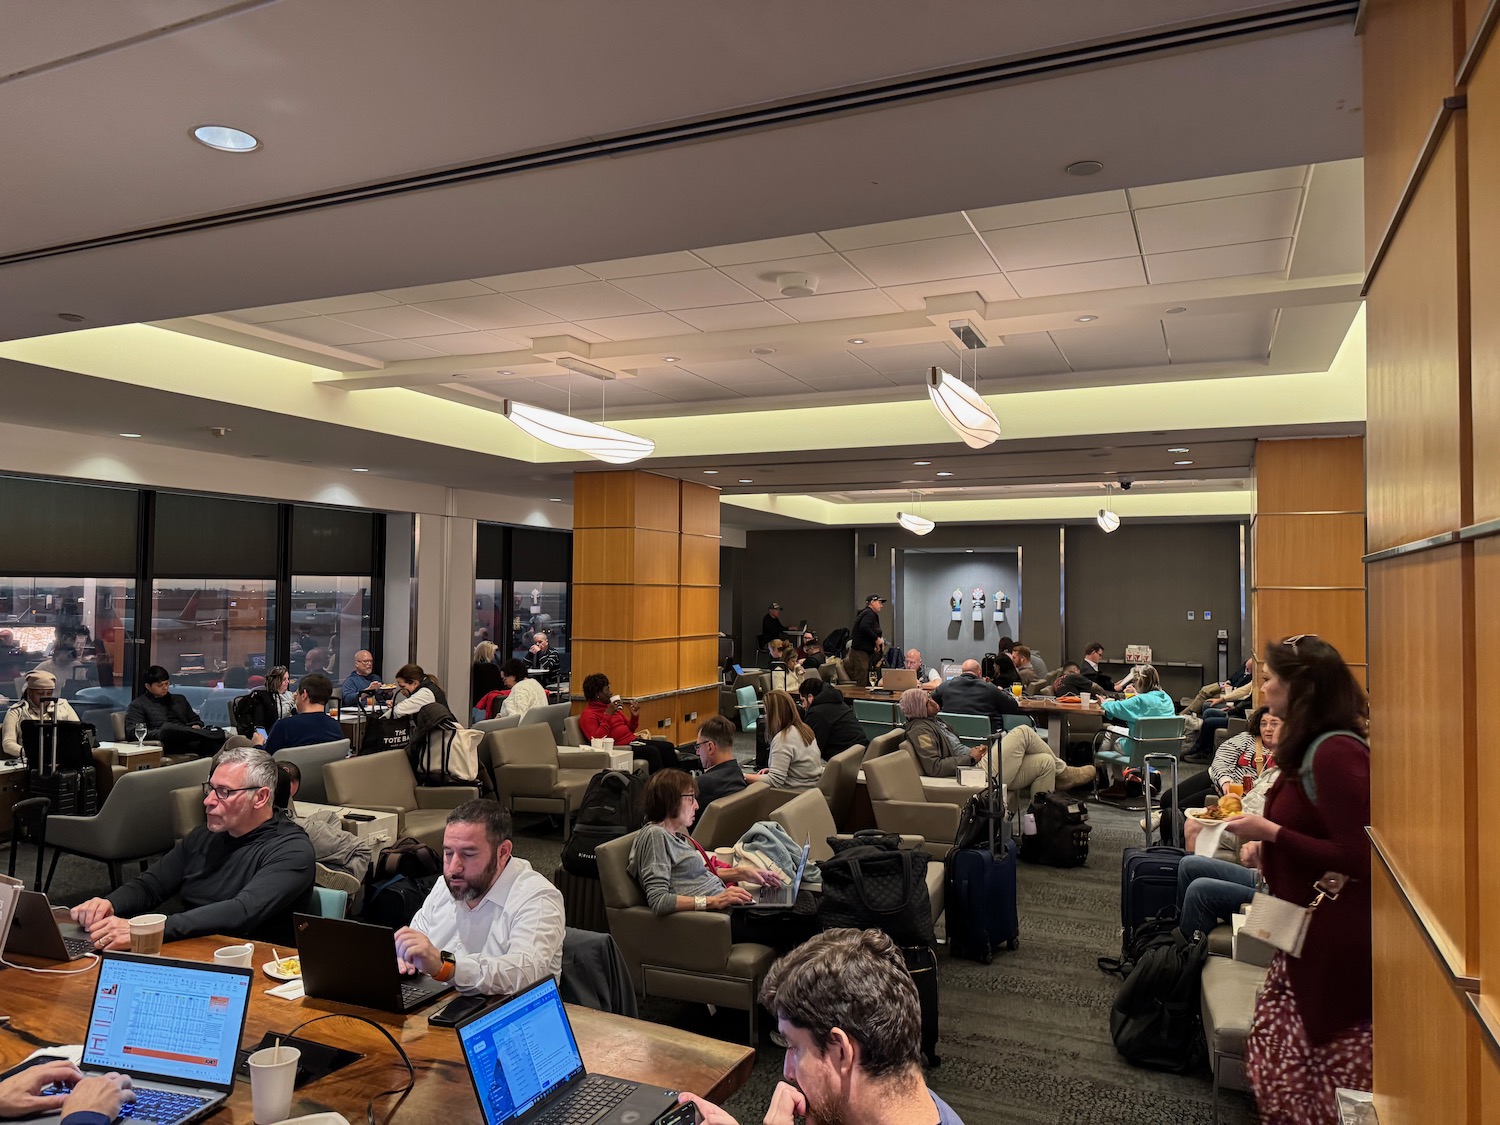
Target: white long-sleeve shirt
523 697
510 938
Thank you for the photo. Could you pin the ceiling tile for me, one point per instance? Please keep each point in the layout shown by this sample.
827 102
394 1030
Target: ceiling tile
1216 187
682 386
904 230
393 350
325 330
903 359
931 259
643 326
726 318
1096 347
837 306
1048 210
532 332
268 313
1219 222
913 298
470 343
621 392
834 274
737 372
354 302
535 279
821 365
1085 277
1024 354
693 289
1244 336
1064 242
1220 261
651 263
440 292
489 310
401 321
583 302
765 250
771 386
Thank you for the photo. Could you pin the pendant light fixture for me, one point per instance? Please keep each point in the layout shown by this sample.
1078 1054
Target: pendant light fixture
963 408
613 446
1107 518
914 523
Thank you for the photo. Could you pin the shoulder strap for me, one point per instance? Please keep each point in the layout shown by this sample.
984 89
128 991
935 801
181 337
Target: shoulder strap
1309 782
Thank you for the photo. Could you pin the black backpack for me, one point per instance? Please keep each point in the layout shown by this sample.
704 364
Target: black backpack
396 901
410 857
611 808
1157 1020
1148 935
1062 831
836 642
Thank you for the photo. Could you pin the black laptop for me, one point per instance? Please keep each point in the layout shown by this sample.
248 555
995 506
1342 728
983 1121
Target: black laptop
355 963
34 932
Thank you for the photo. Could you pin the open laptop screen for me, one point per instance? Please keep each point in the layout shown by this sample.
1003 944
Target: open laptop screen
521 1052
171 1019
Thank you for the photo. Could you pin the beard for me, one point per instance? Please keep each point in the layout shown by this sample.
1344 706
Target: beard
824 1109
471 890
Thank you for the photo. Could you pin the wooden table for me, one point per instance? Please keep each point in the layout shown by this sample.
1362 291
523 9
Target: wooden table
1055 713
47 1010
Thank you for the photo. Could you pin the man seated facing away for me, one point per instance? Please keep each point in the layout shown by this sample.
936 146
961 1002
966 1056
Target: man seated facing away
493 925
926 677
525 692
825 709
310 723
244 873
603 717
721 774
1070 681
342 857
95 1100
853 1025
170 719
968 694
363 678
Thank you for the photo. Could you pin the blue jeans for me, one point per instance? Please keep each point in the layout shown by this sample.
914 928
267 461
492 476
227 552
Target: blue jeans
1213 720
1209 891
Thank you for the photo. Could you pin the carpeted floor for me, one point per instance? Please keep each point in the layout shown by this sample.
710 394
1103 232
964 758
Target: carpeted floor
1024 1040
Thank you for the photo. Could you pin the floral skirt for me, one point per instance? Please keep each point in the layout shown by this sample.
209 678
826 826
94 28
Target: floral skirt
1294 1081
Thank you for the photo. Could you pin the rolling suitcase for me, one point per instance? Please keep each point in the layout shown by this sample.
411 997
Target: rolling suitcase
1148 875
981 901
921 963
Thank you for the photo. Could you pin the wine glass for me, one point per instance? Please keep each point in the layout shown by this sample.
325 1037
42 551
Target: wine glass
140 736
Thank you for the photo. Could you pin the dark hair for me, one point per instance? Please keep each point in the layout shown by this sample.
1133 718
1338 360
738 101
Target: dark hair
286 773
1094 646
855 980
1254 719
594 686
664 793
1005 644
492 814
237 677
411 673
156 674
319 688
515 669
813 685
1005 671
1073 664
1321 695
718 730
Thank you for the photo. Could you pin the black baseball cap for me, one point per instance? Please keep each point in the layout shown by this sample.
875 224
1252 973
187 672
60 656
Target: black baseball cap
775 605
875 598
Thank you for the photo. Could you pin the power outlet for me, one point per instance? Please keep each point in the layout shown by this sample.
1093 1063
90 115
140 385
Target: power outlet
663 724
690 717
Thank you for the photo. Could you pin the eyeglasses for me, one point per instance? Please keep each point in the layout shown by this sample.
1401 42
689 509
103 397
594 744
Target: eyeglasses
701 744
1291 642
224 792
690 797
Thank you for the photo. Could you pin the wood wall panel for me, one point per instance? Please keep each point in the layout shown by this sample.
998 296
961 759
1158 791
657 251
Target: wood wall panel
1420 736
1422 1034
625 499
627 613
1489 1088
1410 55
1417 449
1473 12
700 561
1338 616
700 509
1325 475
1484 279
692 709
698 652
633 667
633 556
1308 550
1487 751
698 611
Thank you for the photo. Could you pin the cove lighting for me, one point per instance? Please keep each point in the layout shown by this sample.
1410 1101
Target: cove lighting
914 524
613 446
963 409
224 138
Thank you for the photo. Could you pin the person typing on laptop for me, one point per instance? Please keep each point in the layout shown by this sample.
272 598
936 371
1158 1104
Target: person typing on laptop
89 1101
244 873
493 925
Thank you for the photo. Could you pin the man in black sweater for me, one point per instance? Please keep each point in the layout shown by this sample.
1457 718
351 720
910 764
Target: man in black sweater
832 719
170 719
721 774
967 694
245 873
770 626
865 641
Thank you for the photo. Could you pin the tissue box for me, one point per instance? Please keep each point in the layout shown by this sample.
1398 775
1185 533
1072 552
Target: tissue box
971 777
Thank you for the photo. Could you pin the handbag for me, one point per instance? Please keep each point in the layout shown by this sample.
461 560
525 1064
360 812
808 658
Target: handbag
874 884
1284 924
384 732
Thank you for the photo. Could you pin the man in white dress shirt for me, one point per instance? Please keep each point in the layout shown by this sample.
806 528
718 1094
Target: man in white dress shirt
493 925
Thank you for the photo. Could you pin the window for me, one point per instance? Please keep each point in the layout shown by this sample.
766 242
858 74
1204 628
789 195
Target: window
330 623
205 631
522 584
80 629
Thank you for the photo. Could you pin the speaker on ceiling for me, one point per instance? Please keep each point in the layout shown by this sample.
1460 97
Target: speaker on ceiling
870 550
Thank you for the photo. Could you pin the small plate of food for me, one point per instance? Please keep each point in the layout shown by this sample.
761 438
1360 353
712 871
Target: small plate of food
285 968
1218 809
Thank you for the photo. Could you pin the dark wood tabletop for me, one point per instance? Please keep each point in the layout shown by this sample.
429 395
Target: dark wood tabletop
1031 704
47 1009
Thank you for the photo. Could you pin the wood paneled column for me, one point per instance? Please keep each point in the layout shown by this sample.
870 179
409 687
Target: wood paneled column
645 594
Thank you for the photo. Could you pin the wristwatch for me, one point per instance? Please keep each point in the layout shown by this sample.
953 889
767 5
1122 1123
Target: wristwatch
700 902
445 971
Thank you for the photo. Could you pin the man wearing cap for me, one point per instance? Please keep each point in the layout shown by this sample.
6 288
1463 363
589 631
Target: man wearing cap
770 626
39 686
865 641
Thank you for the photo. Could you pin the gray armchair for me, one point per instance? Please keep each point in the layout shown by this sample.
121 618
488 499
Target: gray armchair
901 804
186 811
529 775
725 820
553 715
886 743
685 956
311 760
384 782
840 774
133 824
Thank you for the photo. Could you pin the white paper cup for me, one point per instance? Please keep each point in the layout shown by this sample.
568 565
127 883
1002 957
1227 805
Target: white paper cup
146 931
1085 698
597 743
606 744
724 854
271 1083
235 956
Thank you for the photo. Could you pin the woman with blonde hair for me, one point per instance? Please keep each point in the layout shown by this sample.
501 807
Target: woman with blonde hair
795 762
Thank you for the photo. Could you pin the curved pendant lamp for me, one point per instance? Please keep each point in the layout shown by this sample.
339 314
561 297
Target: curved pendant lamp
614 446
963 408
1107 518
914 524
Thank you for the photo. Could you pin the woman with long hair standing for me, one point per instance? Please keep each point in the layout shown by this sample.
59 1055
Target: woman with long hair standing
1311 1031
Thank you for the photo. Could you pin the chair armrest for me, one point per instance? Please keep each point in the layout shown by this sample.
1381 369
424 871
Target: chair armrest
445 796
368 807
937 822
581 758
949 794
696 941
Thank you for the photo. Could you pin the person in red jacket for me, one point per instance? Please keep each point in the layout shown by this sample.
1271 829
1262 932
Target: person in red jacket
606 717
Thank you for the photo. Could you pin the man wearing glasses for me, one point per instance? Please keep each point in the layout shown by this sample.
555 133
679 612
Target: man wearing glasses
244 873
721 774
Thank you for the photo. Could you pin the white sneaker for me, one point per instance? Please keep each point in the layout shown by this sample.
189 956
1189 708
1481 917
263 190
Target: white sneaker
1155 822
336 880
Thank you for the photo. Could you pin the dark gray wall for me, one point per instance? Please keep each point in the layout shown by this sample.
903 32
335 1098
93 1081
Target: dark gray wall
922 598
811 573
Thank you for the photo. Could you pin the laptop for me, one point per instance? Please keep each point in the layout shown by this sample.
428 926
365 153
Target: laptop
355 963
523 1060
898 679
784 895
35 932
173 1026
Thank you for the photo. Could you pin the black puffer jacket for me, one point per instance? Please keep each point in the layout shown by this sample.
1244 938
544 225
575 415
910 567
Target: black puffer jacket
833 721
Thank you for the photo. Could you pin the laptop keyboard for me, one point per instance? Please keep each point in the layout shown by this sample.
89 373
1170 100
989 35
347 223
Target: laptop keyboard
78 947
413 993
165 1106
595 1096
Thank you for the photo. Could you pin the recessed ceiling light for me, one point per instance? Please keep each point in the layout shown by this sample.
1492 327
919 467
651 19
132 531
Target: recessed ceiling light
1176 309
1182 462
71 318
858 340
225 138
554 499
505 373
1084 168
968 550
746 480
1179 449
710 472
921 462
1086 318
945 474
130 435
361 470
670 358
762 351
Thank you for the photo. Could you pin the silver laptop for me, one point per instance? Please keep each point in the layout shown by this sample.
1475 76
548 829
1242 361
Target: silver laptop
523 1060
898 679
35 932
784 895
173 1026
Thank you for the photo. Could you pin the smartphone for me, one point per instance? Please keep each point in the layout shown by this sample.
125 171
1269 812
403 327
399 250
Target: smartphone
261 731
685 1114
461 1008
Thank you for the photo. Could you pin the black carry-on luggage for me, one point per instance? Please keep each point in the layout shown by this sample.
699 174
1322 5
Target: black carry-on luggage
980 877
1148 879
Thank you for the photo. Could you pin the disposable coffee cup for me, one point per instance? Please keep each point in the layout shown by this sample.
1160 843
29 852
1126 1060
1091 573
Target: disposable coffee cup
235 956
146 931
1085 698
273 1074
606 744
597 743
